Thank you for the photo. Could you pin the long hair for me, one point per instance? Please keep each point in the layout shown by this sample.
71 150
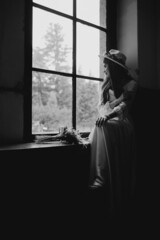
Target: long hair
105 86
115 79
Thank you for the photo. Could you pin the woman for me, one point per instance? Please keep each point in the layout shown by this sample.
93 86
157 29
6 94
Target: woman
112 139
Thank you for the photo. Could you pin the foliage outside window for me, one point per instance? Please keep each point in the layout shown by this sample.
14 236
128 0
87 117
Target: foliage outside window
67 38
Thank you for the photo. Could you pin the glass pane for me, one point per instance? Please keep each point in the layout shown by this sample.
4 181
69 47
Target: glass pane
51 102
87 102
65 6
91 43
52 41
93 11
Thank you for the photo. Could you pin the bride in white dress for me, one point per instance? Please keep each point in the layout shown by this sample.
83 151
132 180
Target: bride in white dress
113 139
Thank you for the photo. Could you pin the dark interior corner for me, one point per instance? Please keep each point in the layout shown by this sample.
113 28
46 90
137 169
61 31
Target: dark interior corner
146 120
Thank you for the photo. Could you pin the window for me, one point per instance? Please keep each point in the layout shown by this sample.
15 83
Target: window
67 38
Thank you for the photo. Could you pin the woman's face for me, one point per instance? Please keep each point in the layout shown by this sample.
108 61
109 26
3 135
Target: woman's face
105 66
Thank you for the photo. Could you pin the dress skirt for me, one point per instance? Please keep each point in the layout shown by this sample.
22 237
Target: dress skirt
113 159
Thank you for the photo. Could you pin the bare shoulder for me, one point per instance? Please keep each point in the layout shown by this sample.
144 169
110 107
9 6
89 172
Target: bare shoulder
131 85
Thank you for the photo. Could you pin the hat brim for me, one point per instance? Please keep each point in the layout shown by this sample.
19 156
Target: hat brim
123 66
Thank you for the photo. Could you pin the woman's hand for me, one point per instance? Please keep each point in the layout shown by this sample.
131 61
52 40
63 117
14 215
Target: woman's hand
101 120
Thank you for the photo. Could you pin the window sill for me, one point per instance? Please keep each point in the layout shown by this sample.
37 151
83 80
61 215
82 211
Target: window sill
33 145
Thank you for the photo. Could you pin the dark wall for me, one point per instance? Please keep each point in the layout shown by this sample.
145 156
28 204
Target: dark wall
148 43
138 36
146 120
127 31
12 27
45 188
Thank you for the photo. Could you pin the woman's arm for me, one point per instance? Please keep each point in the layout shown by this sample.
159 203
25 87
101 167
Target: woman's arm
129 92
121 104
116 112
124 101
116 101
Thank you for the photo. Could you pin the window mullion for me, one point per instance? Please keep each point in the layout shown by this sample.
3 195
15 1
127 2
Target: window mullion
28 73
74 66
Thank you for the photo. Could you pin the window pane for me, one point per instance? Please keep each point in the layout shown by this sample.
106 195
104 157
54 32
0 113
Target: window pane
90 43
52 41
64 6
87 101
93 11
51 102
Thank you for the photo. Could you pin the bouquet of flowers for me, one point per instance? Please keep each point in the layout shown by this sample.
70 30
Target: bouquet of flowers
71 136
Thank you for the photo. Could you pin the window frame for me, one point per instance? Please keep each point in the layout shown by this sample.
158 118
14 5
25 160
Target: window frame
110 31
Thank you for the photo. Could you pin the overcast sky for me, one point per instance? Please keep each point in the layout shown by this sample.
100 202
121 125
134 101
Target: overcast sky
87 37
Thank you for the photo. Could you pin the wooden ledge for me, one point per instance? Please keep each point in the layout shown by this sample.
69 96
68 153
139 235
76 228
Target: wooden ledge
33 145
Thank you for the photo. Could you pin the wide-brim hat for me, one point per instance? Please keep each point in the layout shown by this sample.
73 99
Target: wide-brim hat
116 56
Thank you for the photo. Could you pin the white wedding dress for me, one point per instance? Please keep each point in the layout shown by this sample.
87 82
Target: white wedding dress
113 153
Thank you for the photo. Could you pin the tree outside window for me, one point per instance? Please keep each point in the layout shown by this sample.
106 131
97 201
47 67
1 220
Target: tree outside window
64 61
